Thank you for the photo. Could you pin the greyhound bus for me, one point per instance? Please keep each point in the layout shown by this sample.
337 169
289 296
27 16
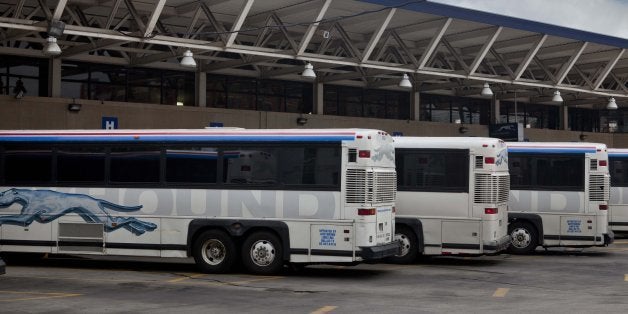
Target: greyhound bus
559 195
618 205
452 196
264 198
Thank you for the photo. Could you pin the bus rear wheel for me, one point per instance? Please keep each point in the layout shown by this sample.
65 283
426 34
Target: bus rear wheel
409 248
262 253
523 238
214 252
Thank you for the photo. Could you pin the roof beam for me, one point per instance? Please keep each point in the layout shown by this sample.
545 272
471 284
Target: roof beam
112 14
237 25
377 35
153 17
98 44
609 66
311 29
564 70
485 48
529 57
429 50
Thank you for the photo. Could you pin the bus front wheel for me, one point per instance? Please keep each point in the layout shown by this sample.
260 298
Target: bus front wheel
214 252
409 248
262 253
524 238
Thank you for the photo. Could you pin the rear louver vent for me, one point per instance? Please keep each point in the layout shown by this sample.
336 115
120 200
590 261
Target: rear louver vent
356 192
599 186
593 164
479 162
491 189
366 187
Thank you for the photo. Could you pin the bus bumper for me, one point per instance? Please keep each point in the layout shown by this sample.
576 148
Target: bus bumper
497 246
380 251
609 237
2 266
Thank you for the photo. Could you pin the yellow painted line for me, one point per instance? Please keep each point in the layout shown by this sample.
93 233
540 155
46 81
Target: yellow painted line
620 242
186 277
501 292
324 309
37 295
626 277
253 280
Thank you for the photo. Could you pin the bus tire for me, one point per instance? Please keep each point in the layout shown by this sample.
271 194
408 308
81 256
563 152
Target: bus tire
214 251
262 253
409 247
523 238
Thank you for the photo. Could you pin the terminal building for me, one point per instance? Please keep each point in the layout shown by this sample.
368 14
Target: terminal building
415 68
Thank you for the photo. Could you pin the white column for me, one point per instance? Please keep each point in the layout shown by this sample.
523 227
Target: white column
564 117
54 77
495 114
415 104
319 92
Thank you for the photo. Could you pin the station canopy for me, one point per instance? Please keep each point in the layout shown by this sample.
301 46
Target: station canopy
370 43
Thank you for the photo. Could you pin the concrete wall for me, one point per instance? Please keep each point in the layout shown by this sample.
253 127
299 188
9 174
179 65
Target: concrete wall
53 113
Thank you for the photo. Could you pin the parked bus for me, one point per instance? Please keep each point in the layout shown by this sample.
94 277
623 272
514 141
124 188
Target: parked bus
452 196
262 197
618 205
559 195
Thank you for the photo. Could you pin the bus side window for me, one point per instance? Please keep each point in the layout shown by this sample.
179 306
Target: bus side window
191 164
27 165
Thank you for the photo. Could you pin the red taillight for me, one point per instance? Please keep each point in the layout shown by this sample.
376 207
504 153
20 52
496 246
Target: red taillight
602 163
603 207
394 209
245 168
367 211
489 160
364 154
491 211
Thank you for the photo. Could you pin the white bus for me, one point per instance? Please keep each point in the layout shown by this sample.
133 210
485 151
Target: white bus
618 205
559 195
452 196
265 197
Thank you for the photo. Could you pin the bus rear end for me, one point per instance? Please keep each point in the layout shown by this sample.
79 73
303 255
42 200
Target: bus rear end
599 187
369 194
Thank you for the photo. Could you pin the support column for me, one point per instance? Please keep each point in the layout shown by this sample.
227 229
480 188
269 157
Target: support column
54 77
319 92
564 117
495 114
200 89
415 104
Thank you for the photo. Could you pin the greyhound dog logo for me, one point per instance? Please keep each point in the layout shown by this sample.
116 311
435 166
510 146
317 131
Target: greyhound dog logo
45 206
385 150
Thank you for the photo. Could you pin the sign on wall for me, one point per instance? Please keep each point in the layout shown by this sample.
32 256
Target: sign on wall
511 132
109 123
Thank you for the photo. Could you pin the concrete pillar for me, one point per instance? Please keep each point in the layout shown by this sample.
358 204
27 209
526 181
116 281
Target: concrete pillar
415 104
319 102
564 117
54 77
495 114
200 89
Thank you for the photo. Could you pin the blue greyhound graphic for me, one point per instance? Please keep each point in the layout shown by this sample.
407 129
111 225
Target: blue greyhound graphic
45 206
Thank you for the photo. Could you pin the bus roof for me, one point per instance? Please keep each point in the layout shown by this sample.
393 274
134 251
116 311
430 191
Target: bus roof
446 142
187 135
556 147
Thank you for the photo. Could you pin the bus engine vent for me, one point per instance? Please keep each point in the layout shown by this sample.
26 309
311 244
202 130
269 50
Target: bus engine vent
479 162
593 164
491 189
599 186
367 187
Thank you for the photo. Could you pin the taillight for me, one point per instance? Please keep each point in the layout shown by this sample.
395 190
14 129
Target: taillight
394 210
491 211
603 207
489 160
602 163
364 154
367 211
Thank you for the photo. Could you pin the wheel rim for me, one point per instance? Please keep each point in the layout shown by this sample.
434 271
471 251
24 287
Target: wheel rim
262 253
405 244
214 252
521 238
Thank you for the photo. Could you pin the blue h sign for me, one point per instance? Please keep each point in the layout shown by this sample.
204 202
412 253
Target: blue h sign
109 123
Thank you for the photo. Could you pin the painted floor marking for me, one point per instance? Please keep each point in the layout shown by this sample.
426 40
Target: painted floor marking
501 292
325 309
186 277
36 295
626 277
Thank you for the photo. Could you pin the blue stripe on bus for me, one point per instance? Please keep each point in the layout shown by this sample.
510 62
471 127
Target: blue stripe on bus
617 154
175 138
550 150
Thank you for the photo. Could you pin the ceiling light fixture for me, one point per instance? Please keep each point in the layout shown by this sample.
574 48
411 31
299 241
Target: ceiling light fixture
486 90
405 81
557 97
52 48
309 71
188 61
612 105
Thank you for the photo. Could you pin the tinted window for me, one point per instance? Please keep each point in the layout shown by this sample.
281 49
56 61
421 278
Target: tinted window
250 165
310 166
436 170
27 165
191 165
619 171
132 164
81 164
542 172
